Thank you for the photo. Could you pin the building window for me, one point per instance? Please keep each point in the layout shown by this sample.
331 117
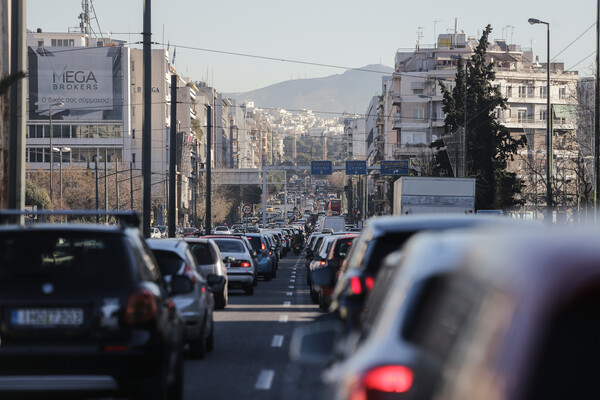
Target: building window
508 91
562 93
521 116
133 133
543 91
133 66
522 91
417 91
418 113
543 115
133 158
40 43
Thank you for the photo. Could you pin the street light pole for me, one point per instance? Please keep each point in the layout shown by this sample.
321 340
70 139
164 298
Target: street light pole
59 104
60 151
549 150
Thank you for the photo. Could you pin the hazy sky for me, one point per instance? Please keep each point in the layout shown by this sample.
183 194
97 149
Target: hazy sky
348 33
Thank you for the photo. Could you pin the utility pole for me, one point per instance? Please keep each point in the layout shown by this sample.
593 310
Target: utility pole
117 184
597 117
208 217
147 122
97 196
131 184
16 147
172 156
105 183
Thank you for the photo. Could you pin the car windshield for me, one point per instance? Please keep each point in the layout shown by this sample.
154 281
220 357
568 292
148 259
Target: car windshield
230 246
89 259
202 253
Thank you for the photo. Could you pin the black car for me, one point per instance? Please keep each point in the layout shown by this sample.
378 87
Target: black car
84 308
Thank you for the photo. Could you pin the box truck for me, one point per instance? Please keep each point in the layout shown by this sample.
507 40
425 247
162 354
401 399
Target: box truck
429 195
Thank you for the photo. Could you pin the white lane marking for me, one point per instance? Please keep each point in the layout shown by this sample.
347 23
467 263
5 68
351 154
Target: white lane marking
287 303
265 379
292 280
277 341
283 319
289 294
291 286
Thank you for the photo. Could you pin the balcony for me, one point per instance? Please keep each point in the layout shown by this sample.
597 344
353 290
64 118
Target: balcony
396 100
410 149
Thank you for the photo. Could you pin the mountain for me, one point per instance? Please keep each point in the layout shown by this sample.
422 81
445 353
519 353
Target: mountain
349 92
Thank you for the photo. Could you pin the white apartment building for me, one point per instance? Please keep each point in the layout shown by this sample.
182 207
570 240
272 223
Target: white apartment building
354 143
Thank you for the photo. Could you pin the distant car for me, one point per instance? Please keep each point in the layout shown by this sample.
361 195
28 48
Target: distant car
189 232
222 230
210 261
164 230
175 258
85 308
241 272
266 268
155 233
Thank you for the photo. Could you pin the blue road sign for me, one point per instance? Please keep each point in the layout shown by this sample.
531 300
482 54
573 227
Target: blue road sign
321 168
356 167
395 167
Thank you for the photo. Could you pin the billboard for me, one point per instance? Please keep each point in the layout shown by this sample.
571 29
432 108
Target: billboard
87 82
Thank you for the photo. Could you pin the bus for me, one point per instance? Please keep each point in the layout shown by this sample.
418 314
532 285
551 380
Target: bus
334 207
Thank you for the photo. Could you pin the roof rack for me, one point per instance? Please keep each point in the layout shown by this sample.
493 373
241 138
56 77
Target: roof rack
128 218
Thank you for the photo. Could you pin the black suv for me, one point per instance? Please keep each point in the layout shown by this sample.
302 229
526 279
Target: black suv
84 308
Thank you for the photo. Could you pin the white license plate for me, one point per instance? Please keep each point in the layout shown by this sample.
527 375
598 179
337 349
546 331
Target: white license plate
47 317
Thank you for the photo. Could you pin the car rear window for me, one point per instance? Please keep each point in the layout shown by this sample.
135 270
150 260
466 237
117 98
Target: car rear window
202 253
255 242
169 263
88 259
230 246
384 246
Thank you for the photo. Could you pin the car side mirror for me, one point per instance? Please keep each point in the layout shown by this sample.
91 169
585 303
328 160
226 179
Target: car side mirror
180 284
215 280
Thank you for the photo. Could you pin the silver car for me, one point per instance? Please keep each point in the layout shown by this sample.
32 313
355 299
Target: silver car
175 257
241 271
210 261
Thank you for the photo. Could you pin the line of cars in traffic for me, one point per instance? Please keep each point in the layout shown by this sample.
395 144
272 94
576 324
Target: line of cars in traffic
90 308
458 307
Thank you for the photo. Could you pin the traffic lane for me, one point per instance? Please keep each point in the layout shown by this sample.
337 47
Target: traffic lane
252 340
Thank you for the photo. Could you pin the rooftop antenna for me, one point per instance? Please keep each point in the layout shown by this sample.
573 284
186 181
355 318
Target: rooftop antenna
435 21
455 26
84 17
419 36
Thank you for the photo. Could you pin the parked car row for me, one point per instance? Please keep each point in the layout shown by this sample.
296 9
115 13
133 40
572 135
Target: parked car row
460 308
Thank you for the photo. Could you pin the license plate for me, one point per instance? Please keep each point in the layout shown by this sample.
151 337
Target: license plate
44 317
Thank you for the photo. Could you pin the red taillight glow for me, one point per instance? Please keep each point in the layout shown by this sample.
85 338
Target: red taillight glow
115 348
262 246
369 282
245 264
141 307
355 285
322 263
388 379
187 271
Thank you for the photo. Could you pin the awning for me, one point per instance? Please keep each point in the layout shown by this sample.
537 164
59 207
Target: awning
565 111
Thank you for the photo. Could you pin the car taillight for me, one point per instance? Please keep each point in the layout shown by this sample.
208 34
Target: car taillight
262 246
141 307
369 283
322 263
187 271
356 285
380 380
245 264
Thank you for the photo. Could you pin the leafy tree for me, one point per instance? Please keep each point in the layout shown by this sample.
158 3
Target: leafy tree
36 196
489 143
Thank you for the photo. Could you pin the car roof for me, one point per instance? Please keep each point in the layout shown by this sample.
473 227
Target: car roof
176 244
78 227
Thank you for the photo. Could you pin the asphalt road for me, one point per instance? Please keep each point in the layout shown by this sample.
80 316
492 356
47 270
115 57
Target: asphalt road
252 337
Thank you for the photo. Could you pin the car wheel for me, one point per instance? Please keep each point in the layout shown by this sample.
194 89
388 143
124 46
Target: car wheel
255 281
249 290
274 273
268 276
314 296
210 340
198 346
154 387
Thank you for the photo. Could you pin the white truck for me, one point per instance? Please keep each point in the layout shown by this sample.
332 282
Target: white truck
430 195
337 224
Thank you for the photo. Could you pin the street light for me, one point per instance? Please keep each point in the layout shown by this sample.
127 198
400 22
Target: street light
58 104
534 21
60 151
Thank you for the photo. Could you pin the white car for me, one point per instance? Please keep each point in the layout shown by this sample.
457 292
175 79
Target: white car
222 230
241 271
155 233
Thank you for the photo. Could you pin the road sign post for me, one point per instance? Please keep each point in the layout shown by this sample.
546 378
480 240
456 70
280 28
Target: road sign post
321 168
356 167
394 167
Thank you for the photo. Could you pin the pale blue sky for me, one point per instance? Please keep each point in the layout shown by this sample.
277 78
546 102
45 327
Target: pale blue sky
339 32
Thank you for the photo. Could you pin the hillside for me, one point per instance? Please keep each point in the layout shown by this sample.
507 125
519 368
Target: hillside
349 92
